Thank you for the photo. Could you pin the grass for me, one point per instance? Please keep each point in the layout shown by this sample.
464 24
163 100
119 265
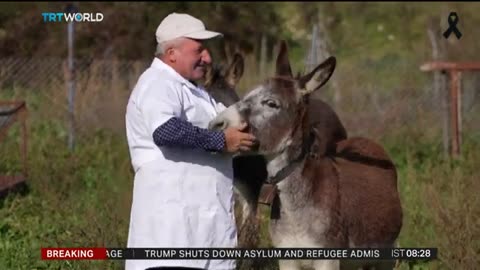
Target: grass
79 199
76 199
441 208
82 198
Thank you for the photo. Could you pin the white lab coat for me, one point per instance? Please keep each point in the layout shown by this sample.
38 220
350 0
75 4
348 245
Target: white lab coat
181 197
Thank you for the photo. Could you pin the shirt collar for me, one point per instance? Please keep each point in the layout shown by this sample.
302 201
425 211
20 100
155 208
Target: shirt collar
159 64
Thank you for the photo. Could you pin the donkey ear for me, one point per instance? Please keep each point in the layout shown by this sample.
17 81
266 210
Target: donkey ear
318 77
209 75
235 70
283 64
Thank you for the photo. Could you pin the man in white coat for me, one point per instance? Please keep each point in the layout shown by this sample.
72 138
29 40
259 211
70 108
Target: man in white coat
183 186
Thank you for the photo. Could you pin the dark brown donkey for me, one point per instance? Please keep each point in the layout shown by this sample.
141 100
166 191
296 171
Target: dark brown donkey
249 171
342 198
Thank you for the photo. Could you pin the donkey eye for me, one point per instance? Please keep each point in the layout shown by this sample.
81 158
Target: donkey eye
271 103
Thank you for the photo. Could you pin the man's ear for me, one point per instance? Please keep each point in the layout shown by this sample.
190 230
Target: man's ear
171 55
235 70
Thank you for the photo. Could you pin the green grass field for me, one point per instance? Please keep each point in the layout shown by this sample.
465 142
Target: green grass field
82 198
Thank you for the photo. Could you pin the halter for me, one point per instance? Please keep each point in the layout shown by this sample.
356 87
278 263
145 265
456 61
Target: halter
269 191
285 171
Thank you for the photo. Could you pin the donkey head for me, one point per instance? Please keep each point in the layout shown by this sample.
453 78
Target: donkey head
276 111
221 80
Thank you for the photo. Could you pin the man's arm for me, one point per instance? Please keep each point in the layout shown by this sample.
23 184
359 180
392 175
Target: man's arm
178 132
162 111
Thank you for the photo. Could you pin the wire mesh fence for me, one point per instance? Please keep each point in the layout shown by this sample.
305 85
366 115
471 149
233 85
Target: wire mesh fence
374 100
102 87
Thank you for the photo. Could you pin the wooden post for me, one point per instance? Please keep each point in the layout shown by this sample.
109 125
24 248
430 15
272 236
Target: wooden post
454 71
454 94
459 109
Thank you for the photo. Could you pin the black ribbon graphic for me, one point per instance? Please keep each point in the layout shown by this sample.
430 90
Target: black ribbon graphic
452 26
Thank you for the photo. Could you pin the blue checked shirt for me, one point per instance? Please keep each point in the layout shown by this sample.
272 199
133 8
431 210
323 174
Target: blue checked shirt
178 132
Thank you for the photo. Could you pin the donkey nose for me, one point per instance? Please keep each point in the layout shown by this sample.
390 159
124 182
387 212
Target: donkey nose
217 125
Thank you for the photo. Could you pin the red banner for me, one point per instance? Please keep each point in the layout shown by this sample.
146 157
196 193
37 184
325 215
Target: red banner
74 253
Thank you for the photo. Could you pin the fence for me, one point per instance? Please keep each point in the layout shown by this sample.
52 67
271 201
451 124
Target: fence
102 87
373 99
392 95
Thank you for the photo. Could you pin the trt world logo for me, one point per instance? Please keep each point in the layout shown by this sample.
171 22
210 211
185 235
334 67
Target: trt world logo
72 17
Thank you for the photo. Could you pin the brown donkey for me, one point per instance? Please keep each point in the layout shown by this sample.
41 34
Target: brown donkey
331 193
249 171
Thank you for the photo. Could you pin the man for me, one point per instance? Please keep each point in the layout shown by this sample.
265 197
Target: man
183 193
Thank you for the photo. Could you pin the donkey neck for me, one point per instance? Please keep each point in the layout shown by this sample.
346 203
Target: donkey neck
284 164
286 172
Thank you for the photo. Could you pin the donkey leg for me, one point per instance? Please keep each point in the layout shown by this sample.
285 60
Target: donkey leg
247 198
246 209
248 225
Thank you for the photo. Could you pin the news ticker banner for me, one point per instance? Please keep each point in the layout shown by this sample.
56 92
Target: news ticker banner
237 253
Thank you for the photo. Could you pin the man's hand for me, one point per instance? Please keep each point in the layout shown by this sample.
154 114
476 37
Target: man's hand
236 140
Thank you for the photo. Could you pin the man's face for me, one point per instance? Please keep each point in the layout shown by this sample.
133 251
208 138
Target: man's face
191 58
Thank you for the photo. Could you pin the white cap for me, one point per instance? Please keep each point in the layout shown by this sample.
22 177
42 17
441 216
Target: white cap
177 25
